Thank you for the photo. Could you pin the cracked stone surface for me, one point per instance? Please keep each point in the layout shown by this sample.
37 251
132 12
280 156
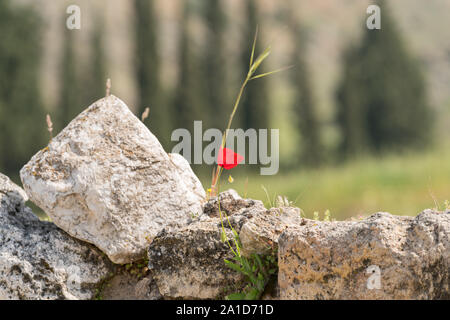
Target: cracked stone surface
381 257
106 179
40 261
188 261
260 233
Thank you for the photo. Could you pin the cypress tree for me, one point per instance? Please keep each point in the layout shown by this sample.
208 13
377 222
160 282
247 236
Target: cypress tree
304 104
96 79
188 102
214 65
147 66
352 113
22 116
70 100
255 101
382 98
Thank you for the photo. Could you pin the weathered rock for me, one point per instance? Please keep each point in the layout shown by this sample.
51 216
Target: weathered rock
12 196
230 203
258 227
105 179
260 233
188 261
126 286
196 194
344 260
40 261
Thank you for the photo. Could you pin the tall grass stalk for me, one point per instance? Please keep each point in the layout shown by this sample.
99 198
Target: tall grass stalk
256 270
48 119
253 67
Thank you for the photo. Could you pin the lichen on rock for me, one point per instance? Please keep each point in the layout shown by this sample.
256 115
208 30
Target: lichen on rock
381 257
188 261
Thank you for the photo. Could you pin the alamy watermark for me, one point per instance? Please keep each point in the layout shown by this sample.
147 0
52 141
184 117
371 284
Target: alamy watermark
73 21
374 281
374 20
256 142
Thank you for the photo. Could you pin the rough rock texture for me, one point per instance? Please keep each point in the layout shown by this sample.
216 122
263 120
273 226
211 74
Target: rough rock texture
11 195
188 261
258 227
126 286
230 203
381 257
39 261
105 179
260 233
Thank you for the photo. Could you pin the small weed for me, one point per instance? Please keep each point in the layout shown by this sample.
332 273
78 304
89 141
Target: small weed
270 203
447 205
283 201
256 269
49 126
145 114
316 216
258 272
280 201
108 87
357 218
101 287
194 215
326 216
137 268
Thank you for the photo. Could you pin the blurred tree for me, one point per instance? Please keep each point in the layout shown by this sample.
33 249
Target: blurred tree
70 99
304 105
95 80
255 101
188 101
352 112
214 65
22 116
382 97
147 66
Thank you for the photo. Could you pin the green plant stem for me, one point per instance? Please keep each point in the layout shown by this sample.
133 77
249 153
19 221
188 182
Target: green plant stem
256 272
219 169
241 91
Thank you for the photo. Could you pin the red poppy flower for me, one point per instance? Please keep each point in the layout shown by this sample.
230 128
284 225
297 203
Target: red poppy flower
228 159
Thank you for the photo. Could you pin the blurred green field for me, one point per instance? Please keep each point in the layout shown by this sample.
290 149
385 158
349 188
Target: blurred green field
399 184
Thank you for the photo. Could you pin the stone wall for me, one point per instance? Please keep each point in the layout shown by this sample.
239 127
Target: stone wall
130 221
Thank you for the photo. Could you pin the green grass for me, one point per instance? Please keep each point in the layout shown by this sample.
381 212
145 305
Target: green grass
403 185
399 184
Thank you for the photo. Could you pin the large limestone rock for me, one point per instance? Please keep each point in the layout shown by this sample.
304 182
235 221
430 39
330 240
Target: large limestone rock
40 261
381 257
105 179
